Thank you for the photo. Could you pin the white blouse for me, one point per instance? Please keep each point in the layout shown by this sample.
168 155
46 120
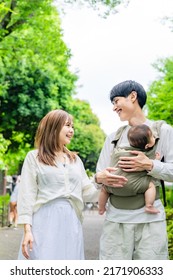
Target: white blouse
41 183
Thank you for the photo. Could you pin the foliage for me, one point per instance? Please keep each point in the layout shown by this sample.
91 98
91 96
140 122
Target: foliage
89 138
87 142
81 111
161 91
4 202
35 78
169 218
3 148
169 196
15 156
4 199
103 7
160 106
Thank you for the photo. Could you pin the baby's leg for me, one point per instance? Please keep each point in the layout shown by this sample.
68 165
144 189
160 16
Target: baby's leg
150 195
103 197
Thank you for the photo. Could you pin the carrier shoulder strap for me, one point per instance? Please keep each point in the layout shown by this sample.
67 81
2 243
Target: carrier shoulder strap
163 188
156 131
156 126
118 134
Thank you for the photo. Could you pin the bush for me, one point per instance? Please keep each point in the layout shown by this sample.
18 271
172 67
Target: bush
169 219
4 204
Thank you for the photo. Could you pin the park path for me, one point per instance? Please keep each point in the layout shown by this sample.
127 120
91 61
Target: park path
10 238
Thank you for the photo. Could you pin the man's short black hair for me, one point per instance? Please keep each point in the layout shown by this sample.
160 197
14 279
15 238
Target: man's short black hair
125 88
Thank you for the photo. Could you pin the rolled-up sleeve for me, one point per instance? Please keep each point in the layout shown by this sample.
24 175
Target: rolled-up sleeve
89 191
105 155
164 170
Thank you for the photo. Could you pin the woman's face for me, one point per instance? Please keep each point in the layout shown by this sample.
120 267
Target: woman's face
66 133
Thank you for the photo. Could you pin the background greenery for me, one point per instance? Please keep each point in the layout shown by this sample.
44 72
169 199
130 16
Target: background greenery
35 78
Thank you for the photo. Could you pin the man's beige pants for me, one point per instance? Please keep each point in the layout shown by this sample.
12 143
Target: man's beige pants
145 241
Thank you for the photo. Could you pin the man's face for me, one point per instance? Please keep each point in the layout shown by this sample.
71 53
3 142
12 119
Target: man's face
124 106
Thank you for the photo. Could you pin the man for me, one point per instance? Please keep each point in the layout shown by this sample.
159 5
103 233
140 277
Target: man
129 233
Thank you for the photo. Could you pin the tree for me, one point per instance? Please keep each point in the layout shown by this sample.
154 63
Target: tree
34 61
160 93
103 7
16 14
35 76
89 138
3 148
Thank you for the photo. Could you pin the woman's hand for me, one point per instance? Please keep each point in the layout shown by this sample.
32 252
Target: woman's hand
27 242
139 162
106 177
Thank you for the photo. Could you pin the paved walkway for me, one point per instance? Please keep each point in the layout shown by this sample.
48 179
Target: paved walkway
10 238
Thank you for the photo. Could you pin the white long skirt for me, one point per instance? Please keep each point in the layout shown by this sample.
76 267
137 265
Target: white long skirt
57 233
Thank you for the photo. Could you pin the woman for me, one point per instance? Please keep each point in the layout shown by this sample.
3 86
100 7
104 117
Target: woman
52 189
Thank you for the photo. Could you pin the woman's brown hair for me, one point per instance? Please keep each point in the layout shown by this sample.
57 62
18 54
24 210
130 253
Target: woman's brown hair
47 136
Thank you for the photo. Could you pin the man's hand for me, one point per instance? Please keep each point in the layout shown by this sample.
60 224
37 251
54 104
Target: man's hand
107 178
139 162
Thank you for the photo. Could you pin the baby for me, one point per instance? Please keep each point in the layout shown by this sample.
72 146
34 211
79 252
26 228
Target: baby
140 137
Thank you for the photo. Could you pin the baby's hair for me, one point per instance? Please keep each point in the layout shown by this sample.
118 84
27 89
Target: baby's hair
139 136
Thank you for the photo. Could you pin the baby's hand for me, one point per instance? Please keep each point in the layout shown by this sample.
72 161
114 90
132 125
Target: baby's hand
157 156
